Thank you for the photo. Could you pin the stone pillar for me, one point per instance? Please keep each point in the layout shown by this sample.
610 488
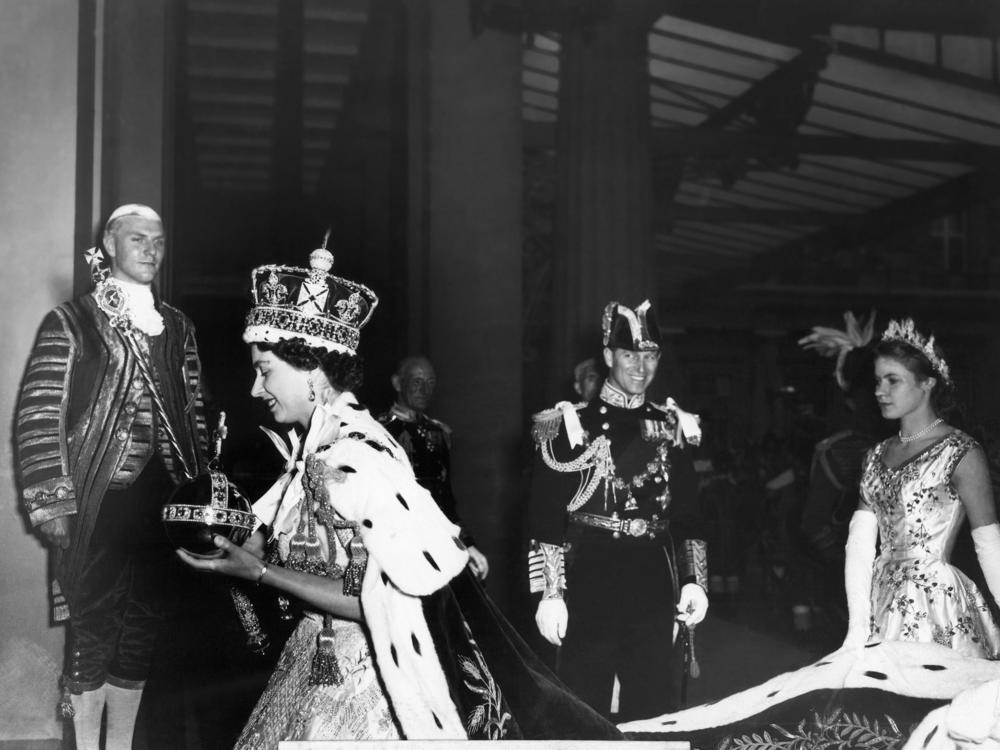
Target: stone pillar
134 94
604 227
471 269
38 80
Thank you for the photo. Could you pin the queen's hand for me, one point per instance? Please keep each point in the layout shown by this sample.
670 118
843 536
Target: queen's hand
231 560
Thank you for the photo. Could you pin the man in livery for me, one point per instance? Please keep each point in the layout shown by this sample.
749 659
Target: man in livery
109 420
611 490
427 443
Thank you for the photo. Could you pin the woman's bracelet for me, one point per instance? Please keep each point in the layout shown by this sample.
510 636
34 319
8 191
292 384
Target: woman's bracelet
260 576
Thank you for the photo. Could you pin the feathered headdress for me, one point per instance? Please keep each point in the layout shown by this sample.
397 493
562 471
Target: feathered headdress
830 342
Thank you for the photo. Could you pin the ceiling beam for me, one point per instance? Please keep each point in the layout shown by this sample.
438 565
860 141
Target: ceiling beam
915 67
947 198
784 81
767 217
790 20
696 142
757 145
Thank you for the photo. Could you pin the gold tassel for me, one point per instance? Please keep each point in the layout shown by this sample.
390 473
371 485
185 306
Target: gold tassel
355 573
65 707
325 667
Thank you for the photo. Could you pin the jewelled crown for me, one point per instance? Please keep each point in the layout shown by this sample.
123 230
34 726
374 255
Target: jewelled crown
625 328
308 303
906 331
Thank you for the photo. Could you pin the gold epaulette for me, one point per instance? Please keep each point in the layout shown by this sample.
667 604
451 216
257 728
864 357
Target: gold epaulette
689 430
438 423
830 440
545 424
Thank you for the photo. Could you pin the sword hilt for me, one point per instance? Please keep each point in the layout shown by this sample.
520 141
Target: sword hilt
689 656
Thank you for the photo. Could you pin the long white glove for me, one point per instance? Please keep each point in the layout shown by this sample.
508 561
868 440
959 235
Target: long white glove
859 558
552 619
692 604
987 541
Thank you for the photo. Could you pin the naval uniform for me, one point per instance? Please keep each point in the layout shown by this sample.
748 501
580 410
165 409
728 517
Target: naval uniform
615 502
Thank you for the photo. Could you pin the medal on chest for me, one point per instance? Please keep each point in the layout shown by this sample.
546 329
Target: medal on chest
655 472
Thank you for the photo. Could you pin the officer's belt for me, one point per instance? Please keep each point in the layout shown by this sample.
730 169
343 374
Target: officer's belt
629 526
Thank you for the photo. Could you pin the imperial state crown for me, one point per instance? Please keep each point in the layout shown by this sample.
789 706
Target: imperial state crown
308 303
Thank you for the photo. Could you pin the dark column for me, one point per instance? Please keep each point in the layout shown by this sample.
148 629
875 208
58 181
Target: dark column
137 67
288 132
136 97
472 269
604 227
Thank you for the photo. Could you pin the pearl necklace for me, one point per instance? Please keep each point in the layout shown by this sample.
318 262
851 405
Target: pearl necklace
919 434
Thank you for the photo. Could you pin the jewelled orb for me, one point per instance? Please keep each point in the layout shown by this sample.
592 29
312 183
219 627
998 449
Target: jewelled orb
206 505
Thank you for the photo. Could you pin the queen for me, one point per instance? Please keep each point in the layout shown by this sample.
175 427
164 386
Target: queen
398 641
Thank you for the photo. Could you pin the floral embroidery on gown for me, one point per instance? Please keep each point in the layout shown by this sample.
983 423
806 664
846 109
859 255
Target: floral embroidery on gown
291 708
916 594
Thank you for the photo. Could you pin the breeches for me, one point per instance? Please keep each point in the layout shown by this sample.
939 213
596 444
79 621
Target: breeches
122 593
621 614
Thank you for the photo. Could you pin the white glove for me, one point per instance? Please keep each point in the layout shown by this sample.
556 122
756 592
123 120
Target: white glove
987 541
552 618
693 604
859 559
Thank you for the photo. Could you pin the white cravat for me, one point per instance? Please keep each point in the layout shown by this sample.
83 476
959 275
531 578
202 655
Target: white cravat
141 308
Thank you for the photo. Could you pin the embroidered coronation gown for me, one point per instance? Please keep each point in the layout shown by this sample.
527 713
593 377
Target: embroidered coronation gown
435 658
931 633
916 594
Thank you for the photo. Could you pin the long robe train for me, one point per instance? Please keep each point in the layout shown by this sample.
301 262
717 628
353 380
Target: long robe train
893 683
500 687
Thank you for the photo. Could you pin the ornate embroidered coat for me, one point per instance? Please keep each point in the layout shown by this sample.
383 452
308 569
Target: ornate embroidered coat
76 409
643 472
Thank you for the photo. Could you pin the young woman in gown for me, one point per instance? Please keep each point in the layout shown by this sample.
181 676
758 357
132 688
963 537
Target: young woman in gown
919 630
398 641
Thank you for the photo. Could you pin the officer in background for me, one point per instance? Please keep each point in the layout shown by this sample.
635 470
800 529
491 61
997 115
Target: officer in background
587 379
611 490
427 443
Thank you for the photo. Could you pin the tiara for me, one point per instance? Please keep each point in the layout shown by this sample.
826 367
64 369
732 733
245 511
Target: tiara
906 332
311 304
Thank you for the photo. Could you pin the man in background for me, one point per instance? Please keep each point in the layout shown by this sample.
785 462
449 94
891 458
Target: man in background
427 442
109 420
587 379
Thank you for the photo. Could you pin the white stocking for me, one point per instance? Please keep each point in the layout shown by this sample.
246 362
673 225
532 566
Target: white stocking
123 706
87 710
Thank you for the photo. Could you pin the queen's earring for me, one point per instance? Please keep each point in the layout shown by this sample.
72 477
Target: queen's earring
312 393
